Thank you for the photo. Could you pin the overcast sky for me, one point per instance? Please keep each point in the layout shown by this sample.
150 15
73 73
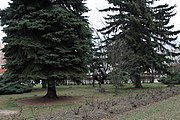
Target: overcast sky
96 18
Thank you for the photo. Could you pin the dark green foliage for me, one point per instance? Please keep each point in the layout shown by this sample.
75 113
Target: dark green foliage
173 77
14 88
170 79
99 51
140 36
46 40
9 86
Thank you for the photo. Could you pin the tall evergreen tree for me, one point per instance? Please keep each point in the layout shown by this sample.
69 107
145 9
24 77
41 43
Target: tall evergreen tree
99 65
46 39
144 31
99 51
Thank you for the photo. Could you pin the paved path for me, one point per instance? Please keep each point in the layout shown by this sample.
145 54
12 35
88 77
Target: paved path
4 113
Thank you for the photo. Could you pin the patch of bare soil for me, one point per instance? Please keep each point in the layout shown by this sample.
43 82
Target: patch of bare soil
8 114
40 101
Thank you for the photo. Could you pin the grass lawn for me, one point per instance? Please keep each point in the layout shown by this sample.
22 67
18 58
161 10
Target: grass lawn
83 92
166 110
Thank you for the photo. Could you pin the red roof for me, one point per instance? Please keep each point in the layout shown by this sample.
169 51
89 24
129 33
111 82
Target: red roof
2 70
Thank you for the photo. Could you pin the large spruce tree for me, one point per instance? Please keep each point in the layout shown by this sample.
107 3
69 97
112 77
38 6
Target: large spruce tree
46 40
140 36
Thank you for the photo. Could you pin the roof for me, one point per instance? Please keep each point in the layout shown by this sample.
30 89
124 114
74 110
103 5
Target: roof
2 70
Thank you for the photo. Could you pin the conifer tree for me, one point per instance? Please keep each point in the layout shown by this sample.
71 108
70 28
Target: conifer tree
99 50
99 61
46 40
140 34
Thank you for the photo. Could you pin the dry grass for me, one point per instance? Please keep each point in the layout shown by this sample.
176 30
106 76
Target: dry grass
166 110
86 92
98 110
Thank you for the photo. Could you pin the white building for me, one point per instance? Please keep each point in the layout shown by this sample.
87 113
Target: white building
2 60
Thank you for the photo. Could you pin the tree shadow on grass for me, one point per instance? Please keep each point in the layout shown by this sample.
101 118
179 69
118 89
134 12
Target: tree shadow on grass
40 101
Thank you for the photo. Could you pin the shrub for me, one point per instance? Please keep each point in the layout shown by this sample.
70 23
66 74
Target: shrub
170 79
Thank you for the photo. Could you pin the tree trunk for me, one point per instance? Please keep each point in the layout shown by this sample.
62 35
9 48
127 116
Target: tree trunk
44 85
152 80
137 81
131 78
99 84
51 91
152 77
93 82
